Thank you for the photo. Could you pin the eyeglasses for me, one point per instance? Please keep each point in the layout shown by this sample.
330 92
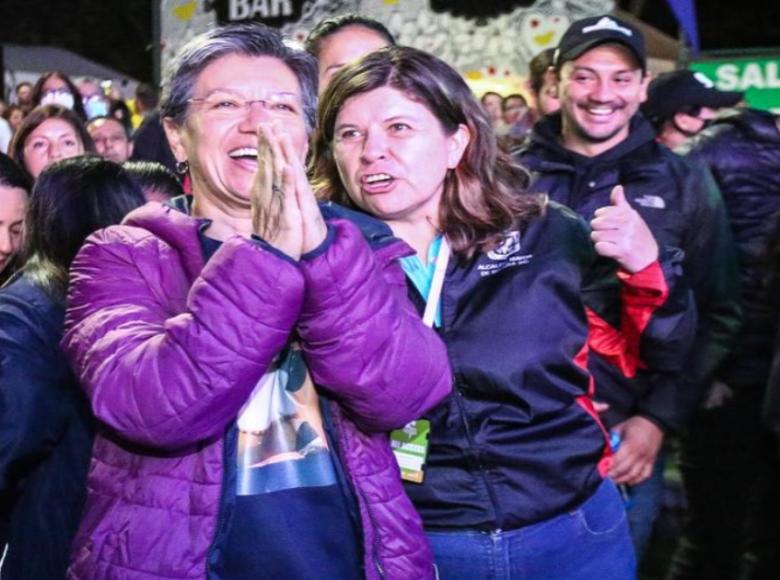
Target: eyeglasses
222 105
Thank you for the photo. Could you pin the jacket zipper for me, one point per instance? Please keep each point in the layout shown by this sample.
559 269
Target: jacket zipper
459 398
222 508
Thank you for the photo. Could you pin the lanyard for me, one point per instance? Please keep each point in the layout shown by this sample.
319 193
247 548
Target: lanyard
410 444
434 294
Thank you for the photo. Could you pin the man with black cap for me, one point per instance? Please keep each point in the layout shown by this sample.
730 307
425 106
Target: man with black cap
596 142
682 103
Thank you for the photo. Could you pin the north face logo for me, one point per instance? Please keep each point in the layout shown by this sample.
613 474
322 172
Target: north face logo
653 201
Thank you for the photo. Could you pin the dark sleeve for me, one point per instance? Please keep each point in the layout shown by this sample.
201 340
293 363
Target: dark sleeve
711 266
646 321
659 402
33 413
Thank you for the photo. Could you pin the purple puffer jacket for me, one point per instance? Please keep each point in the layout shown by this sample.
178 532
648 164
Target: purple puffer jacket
169 350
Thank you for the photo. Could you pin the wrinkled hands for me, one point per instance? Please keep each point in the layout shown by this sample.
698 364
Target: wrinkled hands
284 210
640 441
619 232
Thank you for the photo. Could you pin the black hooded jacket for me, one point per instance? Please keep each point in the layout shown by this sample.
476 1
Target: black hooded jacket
46 431
681 204
742 150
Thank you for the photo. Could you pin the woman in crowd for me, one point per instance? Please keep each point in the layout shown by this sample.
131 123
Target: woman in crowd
45 424
245 359
56 88
14 190
48 134
337 41
512 484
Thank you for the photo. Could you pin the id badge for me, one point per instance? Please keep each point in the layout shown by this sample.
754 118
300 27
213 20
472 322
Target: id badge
410 447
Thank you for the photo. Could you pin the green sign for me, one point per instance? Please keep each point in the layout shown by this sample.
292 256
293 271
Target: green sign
758 77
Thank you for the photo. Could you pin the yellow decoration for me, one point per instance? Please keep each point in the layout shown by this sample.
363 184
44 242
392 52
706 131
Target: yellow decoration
544 39
185 11
474 75
391 2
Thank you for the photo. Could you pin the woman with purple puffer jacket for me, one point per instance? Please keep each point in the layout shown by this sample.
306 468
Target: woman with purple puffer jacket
245 357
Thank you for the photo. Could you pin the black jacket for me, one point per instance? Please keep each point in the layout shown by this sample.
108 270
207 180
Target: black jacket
45 436
742 150
682 206
518 441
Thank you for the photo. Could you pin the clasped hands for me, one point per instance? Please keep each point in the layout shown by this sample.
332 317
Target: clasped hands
284 210
619 232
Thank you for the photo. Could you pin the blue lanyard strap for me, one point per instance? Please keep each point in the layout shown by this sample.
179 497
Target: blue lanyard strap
429 279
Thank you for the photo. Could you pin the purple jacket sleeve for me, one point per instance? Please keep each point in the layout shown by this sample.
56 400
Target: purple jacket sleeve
168 362
364 342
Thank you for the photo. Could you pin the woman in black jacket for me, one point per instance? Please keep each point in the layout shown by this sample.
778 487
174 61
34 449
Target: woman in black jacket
45 424
508 472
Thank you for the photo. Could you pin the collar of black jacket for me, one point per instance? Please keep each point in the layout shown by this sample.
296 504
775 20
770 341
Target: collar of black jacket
547 134
376 232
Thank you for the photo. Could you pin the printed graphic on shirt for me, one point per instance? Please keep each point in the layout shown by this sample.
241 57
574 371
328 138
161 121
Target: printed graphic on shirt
505 255
281 440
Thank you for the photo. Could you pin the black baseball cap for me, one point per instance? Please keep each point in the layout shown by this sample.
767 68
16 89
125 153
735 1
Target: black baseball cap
588 33
674 92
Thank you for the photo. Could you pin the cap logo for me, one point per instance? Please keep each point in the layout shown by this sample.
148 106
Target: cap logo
703 80
607 23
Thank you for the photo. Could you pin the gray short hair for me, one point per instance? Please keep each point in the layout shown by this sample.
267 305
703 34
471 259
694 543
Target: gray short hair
243 39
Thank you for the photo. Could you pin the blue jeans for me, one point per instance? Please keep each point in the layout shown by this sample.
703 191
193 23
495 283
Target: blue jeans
589 543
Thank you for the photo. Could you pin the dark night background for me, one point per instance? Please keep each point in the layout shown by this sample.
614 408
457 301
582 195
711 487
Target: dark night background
119 33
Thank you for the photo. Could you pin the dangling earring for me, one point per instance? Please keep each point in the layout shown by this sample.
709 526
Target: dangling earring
182 167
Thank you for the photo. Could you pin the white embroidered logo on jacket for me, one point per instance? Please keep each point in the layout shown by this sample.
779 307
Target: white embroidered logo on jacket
508 246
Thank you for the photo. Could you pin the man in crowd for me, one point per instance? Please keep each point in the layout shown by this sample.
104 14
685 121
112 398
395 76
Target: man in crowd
578 155
540 84
111 138
24 92
149 140
682 103
729 461
145 102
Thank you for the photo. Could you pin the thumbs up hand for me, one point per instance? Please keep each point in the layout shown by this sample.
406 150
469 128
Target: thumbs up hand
619 232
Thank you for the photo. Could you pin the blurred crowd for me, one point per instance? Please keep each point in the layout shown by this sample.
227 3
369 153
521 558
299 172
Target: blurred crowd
322 312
